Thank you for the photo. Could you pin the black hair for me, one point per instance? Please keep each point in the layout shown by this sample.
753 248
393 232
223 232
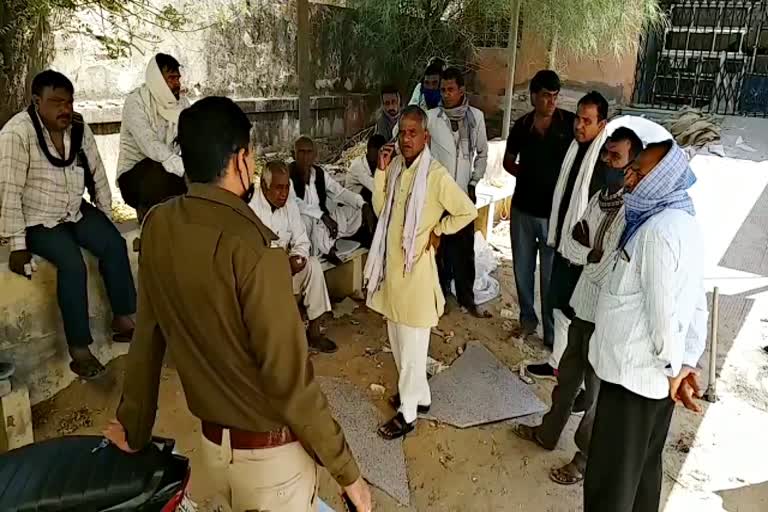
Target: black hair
435 66
211 132
453 73
53 79
167 63
376 140
666 145
599 101
635 144
390 89
415 111
545 79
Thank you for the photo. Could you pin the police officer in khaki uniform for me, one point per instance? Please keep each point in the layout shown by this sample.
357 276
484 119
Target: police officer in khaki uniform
219 297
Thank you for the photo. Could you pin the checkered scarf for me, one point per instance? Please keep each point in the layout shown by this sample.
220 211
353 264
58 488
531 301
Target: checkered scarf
610 204
666 187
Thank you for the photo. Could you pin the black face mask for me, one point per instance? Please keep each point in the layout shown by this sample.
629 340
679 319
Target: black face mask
249 191
614 178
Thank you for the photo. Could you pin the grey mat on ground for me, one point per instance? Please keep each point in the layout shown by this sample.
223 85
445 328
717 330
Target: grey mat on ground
479 389
382 462
747 250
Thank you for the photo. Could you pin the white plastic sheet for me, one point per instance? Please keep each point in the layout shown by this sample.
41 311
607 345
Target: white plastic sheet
486 286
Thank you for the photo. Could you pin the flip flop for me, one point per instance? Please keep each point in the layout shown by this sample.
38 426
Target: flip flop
88 368
396 428
565 476
527 433
394 401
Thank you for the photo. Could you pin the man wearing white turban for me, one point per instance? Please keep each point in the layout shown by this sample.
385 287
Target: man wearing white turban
149 169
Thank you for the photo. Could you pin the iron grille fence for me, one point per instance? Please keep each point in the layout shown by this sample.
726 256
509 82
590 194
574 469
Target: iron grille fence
711 54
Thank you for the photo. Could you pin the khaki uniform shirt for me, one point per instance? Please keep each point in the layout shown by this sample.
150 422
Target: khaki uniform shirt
214 292
415 299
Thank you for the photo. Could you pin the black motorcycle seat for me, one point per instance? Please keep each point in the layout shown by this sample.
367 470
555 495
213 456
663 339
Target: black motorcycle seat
66 474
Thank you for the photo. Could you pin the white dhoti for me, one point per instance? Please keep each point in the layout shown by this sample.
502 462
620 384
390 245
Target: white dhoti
410 346
562 324
349 219
310 285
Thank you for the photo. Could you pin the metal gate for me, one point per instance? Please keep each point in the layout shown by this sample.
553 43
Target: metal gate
711 55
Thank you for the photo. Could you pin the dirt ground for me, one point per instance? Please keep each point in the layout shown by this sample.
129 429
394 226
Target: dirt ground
485 468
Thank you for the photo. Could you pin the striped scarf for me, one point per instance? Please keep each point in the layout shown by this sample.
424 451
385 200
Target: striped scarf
665 188
610 204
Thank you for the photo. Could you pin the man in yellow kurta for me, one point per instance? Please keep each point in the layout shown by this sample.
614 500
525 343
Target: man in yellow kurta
417 201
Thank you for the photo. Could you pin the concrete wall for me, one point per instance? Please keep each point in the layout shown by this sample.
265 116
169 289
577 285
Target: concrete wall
31 332
613 77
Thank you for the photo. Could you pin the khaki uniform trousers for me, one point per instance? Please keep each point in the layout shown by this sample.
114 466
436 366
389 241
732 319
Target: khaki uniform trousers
281 479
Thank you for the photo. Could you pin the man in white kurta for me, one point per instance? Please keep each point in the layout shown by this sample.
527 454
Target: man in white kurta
278 212
329 211
417 202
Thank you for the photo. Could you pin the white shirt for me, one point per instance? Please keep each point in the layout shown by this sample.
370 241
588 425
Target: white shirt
335 194
284 222
444 145
651 316
359 176
585 295
138 140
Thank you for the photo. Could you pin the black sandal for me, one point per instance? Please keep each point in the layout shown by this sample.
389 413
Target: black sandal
122 337
396 428
394 401
87 368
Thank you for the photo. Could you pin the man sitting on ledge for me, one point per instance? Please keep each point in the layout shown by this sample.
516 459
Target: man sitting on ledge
48 157
281 215
329 211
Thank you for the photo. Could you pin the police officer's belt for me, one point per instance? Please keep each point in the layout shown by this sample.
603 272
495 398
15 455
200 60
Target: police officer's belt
245 440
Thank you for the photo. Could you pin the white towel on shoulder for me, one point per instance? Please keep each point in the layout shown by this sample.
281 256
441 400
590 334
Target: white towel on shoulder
580 196
159 100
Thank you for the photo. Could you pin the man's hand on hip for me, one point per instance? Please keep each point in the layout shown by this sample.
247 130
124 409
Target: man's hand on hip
434 241
20 262
360 494
472 193
685 389
332 225
297 264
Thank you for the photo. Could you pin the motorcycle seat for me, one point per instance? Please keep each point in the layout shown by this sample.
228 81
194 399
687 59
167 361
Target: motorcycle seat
66 474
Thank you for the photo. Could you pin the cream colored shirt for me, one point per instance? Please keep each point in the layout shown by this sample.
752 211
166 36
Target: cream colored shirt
416 299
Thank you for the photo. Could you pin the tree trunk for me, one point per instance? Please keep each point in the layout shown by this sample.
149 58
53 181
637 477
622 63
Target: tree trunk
552 51
24 51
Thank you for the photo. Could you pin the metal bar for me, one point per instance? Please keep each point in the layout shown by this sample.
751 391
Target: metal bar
711 394
304 66
512 62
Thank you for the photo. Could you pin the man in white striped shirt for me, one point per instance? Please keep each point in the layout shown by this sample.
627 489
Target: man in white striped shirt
651 322
591 244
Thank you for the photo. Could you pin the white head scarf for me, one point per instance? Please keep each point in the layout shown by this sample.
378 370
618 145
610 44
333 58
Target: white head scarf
159 100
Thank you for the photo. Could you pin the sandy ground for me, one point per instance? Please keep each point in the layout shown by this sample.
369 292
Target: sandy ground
487 468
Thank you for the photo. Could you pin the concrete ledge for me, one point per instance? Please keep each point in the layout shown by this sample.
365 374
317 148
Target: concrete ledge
346 280
31 331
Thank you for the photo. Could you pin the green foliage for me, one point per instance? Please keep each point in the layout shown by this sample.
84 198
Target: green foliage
403 34
590 28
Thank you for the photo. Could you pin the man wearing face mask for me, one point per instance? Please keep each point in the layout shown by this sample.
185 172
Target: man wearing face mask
591 244
426 94
581 176
149 168
218 295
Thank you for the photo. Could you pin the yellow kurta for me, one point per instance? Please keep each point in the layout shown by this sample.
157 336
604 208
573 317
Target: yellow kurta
415 299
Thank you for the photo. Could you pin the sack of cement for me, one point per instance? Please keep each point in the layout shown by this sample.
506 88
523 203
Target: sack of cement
692 127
